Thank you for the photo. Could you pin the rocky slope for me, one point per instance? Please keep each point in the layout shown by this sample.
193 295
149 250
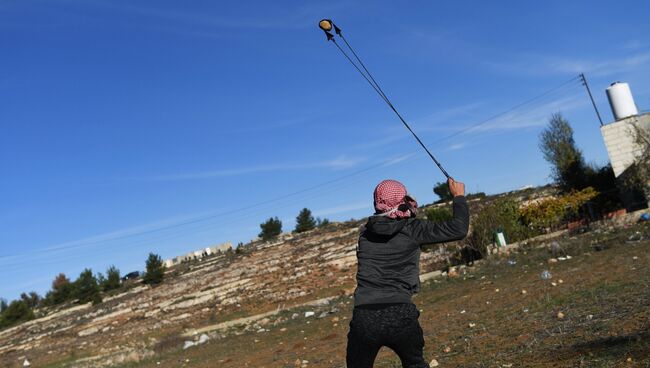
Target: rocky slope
206 296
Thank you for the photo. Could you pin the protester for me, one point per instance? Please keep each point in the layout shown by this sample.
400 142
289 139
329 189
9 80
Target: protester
388 256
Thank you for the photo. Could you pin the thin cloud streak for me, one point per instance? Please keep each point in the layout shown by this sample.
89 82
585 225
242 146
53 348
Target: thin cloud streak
303 17
343 209
549 65
108 236
338 163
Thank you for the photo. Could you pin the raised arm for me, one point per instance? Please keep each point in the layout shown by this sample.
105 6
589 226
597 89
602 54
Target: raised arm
427 232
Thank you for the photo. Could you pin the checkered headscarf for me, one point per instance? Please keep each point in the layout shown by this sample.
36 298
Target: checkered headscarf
392 200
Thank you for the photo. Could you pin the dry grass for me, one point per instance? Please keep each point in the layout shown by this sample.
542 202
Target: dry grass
604 297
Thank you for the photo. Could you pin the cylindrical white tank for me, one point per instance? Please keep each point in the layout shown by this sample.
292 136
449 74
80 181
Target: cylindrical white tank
621 100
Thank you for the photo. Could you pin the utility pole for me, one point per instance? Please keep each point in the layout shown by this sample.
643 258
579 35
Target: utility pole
584 83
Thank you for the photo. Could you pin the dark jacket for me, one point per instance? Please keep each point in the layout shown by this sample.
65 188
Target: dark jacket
388 254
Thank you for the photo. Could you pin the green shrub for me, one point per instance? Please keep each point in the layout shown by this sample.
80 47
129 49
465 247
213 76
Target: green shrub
31 300
438 214
550 213
155 270
322 222
18 311
501 215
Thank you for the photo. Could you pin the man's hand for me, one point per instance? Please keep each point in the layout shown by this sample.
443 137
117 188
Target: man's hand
455 187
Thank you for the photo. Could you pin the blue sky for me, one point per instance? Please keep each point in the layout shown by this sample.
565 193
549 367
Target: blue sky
136 126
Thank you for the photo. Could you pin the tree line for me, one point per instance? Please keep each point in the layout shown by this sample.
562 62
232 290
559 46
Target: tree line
87 288
305 221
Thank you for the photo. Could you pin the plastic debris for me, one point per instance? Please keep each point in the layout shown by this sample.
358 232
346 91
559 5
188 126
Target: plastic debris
309 314
188 344
546 275
203 339
644 217
560 315
637 236
512 262
434 363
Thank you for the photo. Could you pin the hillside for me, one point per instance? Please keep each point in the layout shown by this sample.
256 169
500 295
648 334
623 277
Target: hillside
231 299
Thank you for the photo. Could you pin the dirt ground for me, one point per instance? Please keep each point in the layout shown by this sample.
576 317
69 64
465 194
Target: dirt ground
594 311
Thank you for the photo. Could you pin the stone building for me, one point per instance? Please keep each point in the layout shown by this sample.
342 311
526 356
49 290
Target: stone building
619 137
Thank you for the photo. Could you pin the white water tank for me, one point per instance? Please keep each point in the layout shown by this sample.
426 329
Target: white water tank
621 101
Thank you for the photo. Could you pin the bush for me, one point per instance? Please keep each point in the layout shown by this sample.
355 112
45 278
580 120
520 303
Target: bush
87 288
112 281
442 190
18 311
438 214
270 229
155 270
550 213
322 223
31 300
501 215
305 221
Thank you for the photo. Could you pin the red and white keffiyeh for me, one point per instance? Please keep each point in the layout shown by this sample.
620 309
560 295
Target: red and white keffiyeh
392 200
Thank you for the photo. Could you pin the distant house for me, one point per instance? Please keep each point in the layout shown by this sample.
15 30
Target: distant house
198 254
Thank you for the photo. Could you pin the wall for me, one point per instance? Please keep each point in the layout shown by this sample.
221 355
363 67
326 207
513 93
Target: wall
619 140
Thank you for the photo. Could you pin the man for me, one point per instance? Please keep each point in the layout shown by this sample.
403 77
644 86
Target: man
388 258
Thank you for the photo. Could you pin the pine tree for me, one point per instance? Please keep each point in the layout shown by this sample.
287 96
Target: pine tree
87 288
112 279
270 229
155 270
305 221
62 290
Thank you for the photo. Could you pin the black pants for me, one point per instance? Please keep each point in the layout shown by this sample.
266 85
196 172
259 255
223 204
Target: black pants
395 326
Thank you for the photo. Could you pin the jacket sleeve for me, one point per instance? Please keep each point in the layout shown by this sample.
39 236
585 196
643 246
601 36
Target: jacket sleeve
428 232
